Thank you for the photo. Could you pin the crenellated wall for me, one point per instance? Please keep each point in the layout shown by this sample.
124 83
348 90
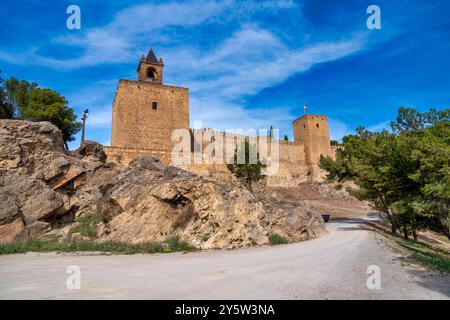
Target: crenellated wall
204 159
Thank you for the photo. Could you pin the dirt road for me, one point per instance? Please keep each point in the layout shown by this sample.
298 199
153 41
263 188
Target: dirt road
333 266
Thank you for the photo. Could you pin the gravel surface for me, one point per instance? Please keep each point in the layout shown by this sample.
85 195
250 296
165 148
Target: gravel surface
333 266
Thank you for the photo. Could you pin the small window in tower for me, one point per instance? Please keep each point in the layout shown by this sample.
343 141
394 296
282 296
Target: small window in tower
154 105
304 126
317 125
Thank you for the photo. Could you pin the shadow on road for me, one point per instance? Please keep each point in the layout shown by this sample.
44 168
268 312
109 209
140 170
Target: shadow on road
350 229
351 224
432 280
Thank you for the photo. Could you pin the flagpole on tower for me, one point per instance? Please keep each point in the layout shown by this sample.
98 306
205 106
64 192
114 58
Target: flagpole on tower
305 107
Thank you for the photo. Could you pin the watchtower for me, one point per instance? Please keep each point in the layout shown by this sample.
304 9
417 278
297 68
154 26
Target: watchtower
312 131
146 112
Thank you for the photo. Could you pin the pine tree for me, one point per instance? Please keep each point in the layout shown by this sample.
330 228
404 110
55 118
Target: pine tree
246 165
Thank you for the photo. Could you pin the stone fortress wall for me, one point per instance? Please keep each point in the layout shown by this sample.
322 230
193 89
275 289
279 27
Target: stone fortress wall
146 113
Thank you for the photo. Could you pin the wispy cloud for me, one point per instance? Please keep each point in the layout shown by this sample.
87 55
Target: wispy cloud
224 115
241 62
119 40
251 59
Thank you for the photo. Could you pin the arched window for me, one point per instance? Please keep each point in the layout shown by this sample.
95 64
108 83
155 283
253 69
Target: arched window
151 74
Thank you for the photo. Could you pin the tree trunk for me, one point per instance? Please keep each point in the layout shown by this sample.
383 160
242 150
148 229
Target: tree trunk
405 233
393 228
445 230
414 233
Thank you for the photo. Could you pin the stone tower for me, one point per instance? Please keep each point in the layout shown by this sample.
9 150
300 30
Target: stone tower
145 112
312 131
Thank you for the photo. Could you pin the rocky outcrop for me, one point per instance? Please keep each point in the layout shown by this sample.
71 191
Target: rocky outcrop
43 188
91 151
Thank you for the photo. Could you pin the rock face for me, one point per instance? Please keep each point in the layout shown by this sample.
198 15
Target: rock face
90 150
43 188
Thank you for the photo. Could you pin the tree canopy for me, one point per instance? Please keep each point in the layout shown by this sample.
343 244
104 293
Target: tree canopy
6 108
404 172
246 164
20 99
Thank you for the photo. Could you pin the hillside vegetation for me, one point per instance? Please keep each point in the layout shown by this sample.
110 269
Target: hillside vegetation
403 172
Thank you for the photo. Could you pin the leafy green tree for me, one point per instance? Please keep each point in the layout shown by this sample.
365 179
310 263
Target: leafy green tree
48 105
17 94
411 120
246 165
334 143
21 99
6 109
431 152
286 138
405 173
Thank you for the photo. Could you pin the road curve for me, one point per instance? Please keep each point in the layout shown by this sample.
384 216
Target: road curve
333 266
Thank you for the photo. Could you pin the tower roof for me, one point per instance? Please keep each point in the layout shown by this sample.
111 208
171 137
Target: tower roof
151 58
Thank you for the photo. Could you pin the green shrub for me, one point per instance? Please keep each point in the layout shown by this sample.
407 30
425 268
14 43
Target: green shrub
436 262
175 243
39 245
276 239
86 226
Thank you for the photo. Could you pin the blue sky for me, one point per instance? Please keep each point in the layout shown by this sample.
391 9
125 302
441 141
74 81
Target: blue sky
248 64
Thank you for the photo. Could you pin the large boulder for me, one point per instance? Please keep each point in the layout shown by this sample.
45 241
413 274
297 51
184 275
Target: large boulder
38 178
150 201
44 188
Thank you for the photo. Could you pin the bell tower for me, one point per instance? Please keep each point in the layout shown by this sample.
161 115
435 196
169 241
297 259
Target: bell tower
150 69
146 112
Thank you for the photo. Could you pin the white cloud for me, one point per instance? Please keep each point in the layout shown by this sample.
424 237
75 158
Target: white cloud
219 77
222 115
98 93
243 64
119 40
250 60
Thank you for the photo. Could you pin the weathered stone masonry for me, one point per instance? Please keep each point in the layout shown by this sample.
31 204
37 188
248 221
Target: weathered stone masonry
146 112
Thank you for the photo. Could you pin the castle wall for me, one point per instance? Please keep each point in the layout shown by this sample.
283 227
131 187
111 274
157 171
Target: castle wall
290 163
123 156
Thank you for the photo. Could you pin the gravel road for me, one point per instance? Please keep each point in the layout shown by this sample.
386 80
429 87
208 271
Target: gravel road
333 266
